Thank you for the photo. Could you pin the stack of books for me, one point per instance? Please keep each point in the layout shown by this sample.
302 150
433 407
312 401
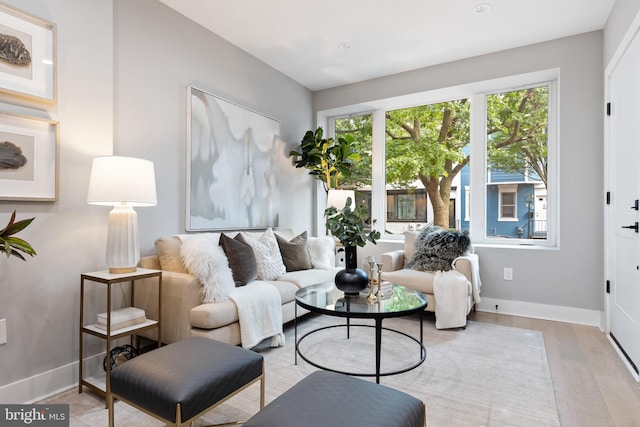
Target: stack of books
121 318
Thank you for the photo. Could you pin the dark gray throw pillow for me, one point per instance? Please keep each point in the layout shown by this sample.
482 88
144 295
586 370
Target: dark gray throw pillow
436 248
242 260
294 252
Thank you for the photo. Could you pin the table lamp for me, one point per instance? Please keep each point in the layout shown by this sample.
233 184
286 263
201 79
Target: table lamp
122 182
338 198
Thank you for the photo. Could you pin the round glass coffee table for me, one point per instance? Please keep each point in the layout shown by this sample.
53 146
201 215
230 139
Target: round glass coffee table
325 298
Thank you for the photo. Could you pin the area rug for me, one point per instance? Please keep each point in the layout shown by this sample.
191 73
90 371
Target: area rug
484 375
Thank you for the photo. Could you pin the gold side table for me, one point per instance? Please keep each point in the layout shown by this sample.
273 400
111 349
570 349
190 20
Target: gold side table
101 384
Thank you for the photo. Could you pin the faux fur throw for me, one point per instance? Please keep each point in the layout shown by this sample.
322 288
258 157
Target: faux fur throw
436 249
208 263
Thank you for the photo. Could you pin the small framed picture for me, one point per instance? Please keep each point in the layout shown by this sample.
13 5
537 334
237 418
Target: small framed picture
28 158
27 55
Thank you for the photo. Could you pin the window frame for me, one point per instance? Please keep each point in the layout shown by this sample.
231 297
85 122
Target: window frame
507 189
476 92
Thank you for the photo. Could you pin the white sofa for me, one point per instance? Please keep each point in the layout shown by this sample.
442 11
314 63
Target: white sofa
184 314
459 302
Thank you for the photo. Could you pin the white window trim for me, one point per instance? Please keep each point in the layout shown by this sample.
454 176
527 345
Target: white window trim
476 92
511 189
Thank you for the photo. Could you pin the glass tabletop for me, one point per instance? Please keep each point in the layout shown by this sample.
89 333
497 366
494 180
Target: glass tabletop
326 298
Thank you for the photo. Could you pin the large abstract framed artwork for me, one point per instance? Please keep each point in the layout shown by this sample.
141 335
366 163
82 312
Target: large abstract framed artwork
28 158
27 55
232 165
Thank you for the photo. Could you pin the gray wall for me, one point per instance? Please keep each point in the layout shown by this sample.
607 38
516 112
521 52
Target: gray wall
158 53
40 298
620 18
123 70
573 275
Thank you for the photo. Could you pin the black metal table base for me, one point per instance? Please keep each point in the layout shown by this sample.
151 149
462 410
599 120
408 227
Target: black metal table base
378 331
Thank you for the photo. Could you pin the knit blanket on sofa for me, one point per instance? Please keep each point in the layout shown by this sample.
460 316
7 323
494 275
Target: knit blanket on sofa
260 313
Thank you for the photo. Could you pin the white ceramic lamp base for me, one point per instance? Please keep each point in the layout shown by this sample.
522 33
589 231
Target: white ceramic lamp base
123 251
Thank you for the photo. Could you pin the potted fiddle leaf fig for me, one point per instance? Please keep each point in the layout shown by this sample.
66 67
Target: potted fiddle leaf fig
15 246
327 159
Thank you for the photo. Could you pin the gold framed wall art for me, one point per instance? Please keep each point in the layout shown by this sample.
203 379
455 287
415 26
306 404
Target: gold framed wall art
28 158
27 55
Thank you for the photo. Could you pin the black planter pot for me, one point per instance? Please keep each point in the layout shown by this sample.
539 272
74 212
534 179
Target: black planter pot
351 280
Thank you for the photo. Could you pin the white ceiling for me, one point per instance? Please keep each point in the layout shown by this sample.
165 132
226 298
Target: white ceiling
302 38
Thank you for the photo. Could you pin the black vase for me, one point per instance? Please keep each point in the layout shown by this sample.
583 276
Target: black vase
351 280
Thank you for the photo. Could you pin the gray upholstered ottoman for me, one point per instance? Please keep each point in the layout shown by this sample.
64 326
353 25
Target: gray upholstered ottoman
327 399
181 381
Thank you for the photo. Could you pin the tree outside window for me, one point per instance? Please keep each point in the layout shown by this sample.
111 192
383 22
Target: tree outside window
427 149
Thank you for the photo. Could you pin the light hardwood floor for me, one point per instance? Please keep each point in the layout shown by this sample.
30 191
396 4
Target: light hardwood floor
593 387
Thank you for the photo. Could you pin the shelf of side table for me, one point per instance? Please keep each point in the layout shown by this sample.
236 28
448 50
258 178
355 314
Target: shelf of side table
100 384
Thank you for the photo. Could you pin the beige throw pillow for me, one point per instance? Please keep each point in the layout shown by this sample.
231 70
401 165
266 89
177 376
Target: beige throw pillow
294 252
168 250
409 245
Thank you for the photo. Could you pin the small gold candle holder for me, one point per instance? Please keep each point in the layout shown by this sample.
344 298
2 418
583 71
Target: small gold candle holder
379 294
372 296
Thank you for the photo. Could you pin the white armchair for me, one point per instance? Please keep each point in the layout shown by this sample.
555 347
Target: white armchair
451 295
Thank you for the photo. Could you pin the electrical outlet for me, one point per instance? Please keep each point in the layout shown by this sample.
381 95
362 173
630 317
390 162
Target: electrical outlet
508 273
3 331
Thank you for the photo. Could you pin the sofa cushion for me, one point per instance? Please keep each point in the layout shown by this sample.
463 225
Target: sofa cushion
294 252
241 259
168 250
213 315
305 278
417 280
223 313
267 253
287 290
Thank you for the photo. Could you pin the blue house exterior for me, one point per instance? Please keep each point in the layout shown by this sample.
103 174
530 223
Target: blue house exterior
527 213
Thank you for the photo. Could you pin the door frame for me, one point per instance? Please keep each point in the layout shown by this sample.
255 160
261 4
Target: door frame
632 32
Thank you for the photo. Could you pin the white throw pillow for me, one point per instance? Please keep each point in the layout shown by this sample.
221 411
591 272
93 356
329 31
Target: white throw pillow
267 252
208 263
322 251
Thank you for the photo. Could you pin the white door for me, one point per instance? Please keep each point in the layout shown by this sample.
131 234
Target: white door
625 181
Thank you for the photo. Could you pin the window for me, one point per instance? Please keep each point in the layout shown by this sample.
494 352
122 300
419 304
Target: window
425 152
517 142
424 164
507 204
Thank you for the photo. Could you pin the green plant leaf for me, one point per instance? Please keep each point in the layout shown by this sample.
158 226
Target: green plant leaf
348 225
11 245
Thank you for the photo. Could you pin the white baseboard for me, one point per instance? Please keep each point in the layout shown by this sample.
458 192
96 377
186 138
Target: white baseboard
46 384
624 359
543 311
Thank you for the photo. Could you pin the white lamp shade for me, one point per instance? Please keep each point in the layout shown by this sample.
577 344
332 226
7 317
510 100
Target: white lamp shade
122 182
338 198
119 180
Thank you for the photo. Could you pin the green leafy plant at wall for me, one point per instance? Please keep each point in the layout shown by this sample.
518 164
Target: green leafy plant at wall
327 159
15 246
348 225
